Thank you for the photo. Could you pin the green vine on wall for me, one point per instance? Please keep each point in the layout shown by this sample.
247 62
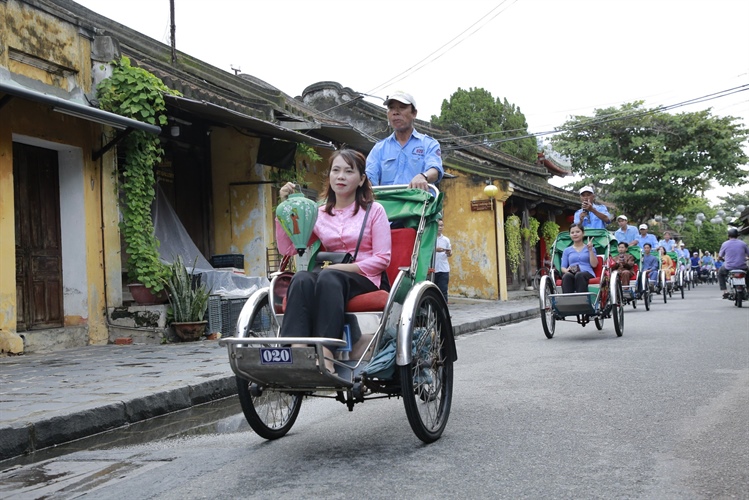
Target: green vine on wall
135 93
549 232
530 234
513 241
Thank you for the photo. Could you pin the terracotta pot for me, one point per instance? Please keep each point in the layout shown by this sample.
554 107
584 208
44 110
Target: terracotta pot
189 331
144 297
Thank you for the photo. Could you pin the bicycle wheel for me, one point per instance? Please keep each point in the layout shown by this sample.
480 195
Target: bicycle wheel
537 279
617 305
271 414
427 381
548 320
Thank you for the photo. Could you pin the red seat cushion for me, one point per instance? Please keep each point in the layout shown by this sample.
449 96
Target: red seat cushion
595 280
366 302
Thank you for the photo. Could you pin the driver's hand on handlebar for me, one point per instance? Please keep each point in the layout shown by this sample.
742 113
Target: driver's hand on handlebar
419 182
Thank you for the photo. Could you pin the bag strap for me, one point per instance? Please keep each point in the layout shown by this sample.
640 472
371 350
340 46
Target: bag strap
361 233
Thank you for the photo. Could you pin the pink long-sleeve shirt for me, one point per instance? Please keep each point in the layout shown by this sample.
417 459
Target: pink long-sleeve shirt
340 232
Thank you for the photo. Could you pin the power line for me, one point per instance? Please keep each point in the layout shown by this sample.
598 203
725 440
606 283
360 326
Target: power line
426 60
618 115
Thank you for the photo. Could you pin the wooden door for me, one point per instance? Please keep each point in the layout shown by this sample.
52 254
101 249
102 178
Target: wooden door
38 241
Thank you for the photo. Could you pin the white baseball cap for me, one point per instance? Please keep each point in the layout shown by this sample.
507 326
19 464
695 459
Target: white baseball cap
643 226
622 217
401 97
587 189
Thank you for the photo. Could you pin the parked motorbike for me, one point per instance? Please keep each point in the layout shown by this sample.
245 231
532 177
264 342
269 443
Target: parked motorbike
737 290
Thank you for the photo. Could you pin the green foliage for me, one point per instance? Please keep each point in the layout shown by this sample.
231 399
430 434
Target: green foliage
530 234
189 303
513 245
549 232
477 112
708 236
136 93
650 162
304 157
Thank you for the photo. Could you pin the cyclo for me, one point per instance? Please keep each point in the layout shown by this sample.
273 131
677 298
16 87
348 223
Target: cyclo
678 282
398 343
634 291
604 298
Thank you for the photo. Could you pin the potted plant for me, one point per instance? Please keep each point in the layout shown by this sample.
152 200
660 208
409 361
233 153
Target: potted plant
188 301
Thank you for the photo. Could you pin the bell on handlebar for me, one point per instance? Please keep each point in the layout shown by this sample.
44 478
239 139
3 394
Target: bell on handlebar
297 216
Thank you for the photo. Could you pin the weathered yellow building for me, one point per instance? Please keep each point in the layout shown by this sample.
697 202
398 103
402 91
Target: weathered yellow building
58 212
227 141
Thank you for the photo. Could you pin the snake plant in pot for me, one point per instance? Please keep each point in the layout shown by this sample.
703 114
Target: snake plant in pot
189 302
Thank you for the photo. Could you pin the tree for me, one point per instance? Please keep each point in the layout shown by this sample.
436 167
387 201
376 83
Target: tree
477 112
649 162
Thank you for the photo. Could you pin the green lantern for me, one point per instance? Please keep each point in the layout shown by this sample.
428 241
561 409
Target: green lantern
297 216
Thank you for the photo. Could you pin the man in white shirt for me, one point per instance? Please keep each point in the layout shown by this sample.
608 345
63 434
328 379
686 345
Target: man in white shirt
441 265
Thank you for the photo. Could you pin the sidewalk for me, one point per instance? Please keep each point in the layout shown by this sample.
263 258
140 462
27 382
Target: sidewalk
51 398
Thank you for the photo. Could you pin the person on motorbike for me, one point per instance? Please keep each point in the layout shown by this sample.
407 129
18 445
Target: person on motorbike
707 261
695 263
734 253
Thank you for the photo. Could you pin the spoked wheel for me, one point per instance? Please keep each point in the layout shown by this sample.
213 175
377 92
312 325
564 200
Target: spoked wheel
271 414
427 381
548 321
665 287
617 305
682 292
599 323
645 286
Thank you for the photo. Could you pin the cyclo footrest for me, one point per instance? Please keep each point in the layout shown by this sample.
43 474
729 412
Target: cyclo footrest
271 363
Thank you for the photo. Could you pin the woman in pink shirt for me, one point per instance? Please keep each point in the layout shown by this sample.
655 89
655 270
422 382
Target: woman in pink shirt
316 301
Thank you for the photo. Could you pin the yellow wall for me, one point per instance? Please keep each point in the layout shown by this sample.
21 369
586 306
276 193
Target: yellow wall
39 122
38 46
43 47
477 238
243 199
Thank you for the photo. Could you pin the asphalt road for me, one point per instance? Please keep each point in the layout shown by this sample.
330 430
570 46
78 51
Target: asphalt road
662 412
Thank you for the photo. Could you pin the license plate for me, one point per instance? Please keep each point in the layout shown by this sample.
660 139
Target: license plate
738 281
275 356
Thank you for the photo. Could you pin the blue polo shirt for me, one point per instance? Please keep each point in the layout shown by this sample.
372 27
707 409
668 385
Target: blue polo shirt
592 221
627 236
668 245
648 238
388 163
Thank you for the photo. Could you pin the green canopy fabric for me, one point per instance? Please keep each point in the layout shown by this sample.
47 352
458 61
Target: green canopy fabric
404 208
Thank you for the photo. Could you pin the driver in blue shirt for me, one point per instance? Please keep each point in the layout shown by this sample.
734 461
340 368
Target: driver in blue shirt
591 215
646 237
406 156
626 233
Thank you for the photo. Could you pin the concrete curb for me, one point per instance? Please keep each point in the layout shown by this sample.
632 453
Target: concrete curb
504 319
16 440
60 429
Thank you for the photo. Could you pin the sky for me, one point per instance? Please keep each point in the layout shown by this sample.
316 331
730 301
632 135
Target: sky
552 58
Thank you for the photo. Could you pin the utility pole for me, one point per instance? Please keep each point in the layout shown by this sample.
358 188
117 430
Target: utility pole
173 29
